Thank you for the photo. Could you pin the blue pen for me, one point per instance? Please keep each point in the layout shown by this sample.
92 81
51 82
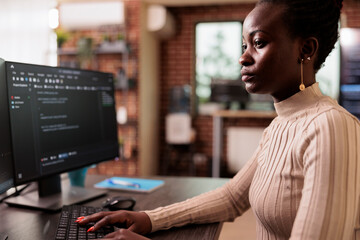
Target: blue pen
123 183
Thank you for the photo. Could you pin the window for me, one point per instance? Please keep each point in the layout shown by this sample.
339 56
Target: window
218 49
329 75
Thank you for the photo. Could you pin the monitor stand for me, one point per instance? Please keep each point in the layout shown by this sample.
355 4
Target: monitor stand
52 195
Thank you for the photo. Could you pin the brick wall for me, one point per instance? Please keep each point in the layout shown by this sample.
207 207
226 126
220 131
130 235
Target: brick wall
177 68
351 14
128 165
177 65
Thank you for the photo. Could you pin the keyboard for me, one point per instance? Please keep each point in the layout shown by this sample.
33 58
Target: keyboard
68 229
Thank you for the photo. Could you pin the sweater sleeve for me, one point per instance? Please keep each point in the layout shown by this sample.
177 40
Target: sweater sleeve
222 204
329 205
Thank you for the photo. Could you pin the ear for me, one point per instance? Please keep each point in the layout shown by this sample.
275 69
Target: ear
309 48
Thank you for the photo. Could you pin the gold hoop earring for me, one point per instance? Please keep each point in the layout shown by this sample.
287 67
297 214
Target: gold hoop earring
302 86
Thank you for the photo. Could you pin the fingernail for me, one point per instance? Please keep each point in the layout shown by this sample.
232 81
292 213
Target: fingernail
90 229
79 219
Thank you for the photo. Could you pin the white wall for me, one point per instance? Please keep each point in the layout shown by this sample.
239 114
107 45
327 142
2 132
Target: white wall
25 35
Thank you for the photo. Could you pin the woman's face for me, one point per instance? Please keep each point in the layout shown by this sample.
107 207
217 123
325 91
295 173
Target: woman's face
270 60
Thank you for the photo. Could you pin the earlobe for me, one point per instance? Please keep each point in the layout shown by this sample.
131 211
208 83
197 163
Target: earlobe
309 48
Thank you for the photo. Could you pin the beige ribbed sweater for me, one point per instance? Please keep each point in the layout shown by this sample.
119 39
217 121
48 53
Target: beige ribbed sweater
303 182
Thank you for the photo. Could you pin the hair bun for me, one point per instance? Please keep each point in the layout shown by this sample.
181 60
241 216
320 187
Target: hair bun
338 3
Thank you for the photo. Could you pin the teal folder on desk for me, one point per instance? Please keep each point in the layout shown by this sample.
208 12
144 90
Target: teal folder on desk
130 184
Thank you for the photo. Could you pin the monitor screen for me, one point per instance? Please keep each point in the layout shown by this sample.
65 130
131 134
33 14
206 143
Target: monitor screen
228 91
61 119
6 168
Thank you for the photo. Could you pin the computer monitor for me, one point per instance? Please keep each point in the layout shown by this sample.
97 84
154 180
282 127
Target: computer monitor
6 168
60 119
228 91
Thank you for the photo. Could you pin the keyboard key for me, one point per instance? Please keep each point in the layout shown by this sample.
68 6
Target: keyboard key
67 228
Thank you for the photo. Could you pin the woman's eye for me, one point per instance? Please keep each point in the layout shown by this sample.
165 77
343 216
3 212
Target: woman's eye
244 47
259 44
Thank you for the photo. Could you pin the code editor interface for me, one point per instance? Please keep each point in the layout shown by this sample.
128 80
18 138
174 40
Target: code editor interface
60 118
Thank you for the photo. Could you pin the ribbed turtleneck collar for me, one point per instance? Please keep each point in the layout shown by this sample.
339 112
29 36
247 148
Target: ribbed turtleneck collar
299 101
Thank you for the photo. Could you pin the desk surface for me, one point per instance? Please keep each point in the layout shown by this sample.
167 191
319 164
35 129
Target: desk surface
21 224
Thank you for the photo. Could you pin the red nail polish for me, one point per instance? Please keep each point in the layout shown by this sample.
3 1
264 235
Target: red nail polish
79 219
90 229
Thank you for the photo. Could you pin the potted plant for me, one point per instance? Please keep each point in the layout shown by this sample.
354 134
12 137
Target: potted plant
85 52
62 37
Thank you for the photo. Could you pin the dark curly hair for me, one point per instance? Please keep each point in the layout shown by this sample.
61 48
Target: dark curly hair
313 18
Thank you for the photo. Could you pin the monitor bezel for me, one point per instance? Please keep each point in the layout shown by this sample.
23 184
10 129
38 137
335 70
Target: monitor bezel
5 149
45 176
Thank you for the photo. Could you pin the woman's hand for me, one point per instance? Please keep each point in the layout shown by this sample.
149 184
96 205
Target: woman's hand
124 234
138 222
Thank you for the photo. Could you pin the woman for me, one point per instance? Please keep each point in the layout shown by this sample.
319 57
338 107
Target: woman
303 182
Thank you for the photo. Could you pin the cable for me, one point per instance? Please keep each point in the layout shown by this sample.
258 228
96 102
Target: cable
16 193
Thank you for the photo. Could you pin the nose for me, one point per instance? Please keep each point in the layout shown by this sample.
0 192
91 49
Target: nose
246 59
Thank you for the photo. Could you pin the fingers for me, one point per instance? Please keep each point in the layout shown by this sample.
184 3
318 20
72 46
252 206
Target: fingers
124 234
111 235
120 232
138 222
102 219
92 218
111 219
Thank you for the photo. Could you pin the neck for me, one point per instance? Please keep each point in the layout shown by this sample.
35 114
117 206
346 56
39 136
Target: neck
290 91
293 88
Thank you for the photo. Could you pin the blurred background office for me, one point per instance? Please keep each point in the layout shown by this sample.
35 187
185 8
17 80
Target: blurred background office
169 57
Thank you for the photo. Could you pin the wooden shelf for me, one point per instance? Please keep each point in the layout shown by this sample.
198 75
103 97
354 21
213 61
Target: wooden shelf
100 50
66 51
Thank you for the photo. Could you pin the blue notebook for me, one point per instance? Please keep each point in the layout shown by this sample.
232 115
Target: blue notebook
130 184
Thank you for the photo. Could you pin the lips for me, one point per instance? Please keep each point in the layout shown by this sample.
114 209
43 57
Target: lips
246 76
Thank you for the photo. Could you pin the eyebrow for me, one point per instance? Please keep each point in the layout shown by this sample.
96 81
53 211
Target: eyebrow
256 31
